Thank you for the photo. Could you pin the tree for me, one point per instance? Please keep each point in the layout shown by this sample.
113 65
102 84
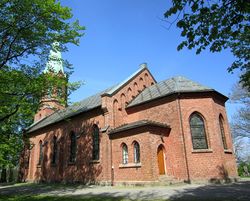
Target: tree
27 31
241 120
30 27
216 25
240 125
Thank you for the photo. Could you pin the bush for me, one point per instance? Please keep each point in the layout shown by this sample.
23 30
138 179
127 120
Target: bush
242 167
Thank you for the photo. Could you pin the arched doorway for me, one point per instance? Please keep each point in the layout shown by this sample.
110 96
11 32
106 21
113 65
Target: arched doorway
161 160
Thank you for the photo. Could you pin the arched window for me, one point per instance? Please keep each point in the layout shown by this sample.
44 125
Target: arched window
198 132
136 152
96 139
222 131
124 154
54 150
72 154
40 153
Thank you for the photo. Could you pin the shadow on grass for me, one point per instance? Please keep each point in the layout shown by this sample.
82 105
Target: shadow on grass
33 189
239 191
40 192
59 198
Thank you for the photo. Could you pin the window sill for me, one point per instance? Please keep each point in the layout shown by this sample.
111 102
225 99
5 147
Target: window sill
94 161
228 151
130 165
202 151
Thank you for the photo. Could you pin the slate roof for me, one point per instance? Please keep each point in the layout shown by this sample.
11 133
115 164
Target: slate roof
82 106
137 124
77 108
161 89
168 87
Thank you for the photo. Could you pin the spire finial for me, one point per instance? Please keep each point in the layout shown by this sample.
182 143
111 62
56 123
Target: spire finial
143 65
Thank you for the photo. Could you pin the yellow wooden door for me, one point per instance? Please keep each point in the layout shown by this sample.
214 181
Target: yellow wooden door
161 162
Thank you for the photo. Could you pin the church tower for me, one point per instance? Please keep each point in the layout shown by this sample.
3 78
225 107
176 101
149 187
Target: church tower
56 96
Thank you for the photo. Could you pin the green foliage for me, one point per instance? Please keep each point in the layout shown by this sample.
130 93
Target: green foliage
216 25
241 170
240 125
27 32
30 27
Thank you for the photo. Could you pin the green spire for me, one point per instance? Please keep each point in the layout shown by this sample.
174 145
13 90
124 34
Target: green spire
54 63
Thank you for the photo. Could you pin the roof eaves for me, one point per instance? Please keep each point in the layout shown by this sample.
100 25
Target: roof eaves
137 124
169 94
59 120
37 122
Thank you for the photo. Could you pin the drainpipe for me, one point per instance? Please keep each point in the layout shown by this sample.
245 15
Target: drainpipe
183 138
112 167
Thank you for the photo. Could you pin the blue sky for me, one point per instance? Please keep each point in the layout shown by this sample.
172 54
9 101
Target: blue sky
121 34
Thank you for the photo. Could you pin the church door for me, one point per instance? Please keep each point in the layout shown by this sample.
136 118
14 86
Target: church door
161 161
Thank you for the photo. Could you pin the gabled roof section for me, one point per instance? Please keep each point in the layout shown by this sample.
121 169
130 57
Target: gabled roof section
112 91
137 124
178 84
77 108
82 106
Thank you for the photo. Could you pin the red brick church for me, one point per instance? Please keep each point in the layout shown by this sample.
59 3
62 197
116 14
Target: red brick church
138 132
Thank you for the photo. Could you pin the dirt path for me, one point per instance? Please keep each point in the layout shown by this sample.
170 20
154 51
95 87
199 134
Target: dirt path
239 191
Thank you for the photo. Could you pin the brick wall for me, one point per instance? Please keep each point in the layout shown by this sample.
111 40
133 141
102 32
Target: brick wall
84 169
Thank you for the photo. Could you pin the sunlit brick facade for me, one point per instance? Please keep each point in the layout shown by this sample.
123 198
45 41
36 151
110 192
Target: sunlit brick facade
148 132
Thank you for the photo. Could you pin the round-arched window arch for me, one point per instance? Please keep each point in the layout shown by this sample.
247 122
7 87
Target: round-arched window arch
222 131
54 150
137 158
96 143
124 153
198 132
72 154
40 152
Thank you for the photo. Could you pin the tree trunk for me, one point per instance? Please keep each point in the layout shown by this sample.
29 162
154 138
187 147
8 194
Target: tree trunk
3 176
11 176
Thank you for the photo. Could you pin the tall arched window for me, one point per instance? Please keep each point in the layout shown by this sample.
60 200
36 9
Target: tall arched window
198 132
136 152
124 154
96 139
40 153
72 154
54 150
222 131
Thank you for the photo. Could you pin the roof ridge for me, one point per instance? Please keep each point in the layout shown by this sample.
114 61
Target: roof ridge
176 84
143 67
